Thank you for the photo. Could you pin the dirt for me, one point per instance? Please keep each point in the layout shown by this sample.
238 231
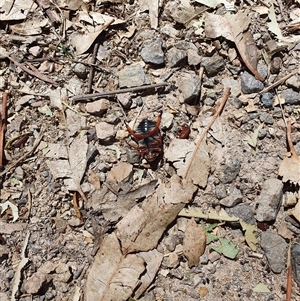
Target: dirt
77 171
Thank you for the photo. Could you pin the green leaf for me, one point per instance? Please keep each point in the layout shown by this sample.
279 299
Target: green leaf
249 234
252 140
227 248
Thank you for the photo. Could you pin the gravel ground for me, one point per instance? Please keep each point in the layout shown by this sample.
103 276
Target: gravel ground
72 171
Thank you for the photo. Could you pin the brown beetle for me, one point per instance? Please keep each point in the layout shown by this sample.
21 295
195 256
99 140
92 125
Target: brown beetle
148 139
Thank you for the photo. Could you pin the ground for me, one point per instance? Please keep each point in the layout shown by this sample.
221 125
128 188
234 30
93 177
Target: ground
85 215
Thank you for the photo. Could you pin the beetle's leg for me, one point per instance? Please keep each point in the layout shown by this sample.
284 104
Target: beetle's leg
133 133
155 130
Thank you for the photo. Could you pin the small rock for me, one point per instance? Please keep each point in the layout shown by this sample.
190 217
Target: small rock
132 76
176 57
267 100
244 212
172 260
98 107
250 84
166 120
275 249
189 84
105 132
80 70
194 58
125 100
269 200
170 243
234 85
275 65
233 199
214 256
220 191
230 170
169 30
75 222
213 65
295 258
290 96
266 118
262 70
152 52
293 82
36 51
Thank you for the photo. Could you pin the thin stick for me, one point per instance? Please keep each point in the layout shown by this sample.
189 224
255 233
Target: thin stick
289 139
279 82
289 277
3 125
120 91
8 168
34 73
92 68
218 112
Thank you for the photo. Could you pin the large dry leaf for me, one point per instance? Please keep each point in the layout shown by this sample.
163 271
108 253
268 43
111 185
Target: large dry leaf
153 260
289 169
15 9
194 242
73 168
144 224
83 42
235 29
113 276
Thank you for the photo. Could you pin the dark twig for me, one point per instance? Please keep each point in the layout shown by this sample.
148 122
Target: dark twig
92 68
34 72
120 91
218 112
3 125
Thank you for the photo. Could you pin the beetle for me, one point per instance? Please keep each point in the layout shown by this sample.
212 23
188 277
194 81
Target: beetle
148 139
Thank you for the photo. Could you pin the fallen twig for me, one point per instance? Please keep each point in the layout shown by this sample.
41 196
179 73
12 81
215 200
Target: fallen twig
3 125
34 72
92 68
223 101
120 91
8 168
279 82
289 276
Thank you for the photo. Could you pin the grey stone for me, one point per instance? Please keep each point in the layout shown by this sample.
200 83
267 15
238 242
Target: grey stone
132 76
295 259
230 170
220 191
290 96
189 84
275 249
250 84
105 132
267 100
262 70
233 199
266 118
125 100
244 212
152 52
275 65
80 70
234 85
293 82
213 65
269 200
176 57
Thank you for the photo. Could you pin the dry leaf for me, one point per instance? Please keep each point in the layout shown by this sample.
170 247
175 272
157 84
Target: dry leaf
13 207
221 215
289 169
144 224
235 29
8 228
15 9
113 276
249 234
153 261
194 242
30 26
83 42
